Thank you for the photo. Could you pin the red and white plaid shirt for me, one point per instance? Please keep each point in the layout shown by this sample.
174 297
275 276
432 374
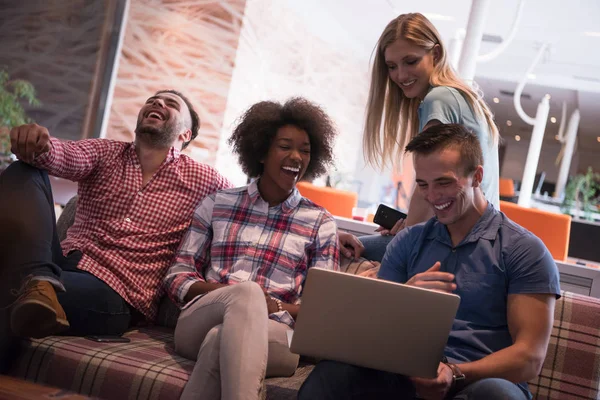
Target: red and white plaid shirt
235 237
127 232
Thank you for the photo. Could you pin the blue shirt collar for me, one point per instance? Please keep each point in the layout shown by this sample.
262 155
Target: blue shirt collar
486 228
287 206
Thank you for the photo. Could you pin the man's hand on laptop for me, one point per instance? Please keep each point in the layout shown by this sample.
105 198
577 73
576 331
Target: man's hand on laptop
434 279
434 389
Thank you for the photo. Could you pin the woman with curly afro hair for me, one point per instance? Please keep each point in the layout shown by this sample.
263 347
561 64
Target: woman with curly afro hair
239 271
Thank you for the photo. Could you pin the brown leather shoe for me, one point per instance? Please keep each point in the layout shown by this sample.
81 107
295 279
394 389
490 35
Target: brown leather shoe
37 312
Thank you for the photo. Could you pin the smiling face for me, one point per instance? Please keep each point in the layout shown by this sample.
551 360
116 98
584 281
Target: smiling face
443 183
410 67
162 119
285 164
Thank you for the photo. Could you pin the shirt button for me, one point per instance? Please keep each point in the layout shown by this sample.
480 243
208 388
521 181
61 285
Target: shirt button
127 219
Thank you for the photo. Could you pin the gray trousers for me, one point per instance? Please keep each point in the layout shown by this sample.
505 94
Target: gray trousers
234 343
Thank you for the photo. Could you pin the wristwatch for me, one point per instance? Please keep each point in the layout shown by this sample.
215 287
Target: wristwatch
457 375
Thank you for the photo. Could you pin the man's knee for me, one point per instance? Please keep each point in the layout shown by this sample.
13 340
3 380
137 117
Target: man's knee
492 389
325 380
21 183
20 171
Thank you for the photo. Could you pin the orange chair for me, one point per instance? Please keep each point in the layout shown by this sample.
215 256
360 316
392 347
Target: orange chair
553 229
337 202
507 187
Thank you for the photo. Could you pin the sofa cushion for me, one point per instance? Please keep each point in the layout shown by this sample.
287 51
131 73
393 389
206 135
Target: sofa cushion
145 368
66 219
571 369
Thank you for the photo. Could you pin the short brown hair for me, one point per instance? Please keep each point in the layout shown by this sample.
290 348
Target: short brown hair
258 126
193 114
442 136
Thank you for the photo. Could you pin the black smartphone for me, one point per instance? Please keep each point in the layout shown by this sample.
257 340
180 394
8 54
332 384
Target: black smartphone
108 338
387 216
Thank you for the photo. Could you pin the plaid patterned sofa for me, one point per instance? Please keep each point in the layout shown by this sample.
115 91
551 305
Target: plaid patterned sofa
149 368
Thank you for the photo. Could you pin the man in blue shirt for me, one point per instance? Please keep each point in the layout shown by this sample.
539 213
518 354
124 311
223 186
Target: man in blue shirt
505 276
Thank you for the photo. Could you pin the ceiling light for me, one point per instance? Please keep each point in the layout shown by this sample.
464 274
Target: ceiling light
598 138
553 120
496 100
593 34
517 138
438 17
548 96
508 122
531 76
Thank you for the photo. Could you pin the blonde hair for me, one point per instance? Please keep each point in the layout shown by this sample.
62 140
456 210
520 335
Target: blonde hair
383 144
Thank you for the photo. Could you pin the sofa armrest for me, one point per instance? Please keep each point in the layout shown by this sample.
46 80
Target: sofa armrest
572 365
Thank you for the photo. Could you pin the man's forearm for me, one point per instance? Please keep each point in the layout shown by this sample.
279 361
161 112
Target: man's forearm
515 363
74 161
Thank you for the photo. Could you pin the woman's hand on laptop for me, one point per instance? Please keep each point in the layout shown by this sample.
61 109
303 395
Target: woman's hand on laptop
434 279
434 389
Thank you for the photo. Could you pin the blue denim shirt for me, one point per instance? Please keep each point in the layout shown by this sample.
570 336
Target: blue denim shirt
497 258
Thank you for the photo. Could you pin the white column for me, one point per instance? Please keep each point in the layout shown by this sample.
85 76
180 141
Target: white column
533 155
470 50
565 164
455 48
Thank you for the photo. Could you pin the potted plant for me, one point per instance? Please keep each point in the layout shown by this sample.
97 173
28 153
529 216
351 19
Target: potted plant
580 200
12 94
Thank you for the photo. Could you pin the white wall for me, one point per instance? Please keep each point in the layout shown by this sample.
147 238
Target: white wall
279 56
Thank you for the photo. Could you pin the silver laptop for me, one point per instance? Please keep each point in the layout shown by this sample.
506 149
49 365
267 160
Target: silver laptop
373 323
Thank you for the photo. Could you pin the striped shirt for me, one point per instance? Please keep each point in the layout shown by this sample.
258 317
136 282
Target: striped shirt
235 237
128 232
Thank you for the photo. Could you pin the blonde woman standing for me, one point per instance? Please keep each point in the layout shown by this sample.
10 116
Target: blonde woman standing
413 87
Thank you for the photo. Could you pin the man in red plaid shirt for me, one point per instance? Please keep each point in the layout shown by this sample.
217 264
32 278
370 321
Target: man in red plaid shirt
135 200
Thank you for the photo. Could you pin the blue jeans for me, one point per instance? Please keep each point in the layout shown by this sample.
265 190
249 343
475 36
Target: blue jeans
331 380
29 246
375 246
92 307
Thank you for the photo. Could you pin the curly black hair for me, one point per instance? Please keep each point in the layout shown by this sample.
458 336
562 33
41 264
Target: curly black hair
257 127
193 114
